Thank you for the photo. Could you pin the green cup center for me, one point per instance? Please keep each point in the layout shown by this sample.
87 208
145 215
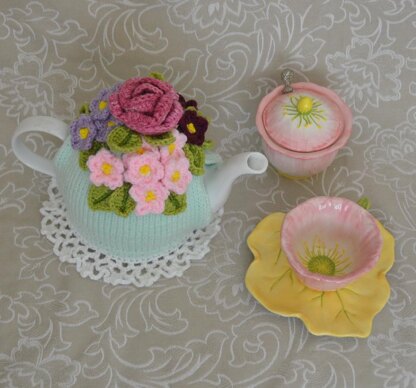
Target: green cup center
322 264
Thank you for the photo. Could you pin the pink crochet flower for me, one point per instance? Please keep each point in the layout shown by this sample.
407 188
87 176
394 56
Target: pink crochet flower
147 105
143 169
174 150
144 148
149 198
106 169
177 175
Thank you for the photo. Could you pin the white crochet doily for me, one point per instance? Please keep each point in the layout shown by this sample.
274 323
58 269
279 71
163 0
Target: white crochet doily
92 263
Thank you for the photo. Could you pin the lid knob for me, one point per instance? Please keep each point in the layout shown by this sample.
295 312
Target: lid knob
287 78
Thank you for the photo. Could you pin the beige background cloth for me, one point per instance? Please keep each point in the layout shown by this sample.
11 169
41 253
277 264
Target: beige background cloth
205 329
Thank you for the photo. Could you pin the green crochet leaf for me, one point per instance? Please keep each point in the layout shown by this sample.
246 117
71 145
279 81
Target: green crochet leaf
155 74
175 204
99 197
196 157
160 140
120 201
364 202
85 109
84 155
123 139
208 144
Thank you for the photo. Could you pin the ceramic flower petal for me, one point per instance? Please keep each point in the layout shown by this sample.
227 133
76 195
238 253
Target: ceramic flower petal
346 312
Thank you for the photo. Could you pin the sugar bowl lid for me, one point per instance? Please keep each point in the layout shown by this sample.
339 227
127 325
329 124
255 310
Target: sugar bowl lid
302 118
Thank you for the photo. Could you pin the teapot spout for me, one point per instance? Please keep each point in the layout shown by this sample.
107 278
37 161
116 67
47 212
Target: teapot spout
218 181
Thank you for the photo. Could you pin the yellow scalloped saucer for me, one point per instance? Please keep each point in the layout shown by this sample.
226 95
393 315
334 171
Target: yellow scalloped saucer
346 312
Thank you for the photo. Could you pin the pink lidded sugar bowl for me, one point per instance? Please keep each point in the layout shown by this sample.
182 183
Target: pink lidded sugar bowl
303 126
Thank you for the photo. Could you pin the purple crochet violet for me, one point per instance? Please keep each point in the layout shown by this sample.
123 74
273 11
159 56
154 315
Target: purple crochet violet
100 112
104 127
186 104
194 126
99 107
83 133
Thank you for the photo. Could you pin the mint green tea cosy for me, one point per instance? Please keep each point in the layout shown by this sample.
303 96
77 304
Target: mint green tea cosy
132 171
132 237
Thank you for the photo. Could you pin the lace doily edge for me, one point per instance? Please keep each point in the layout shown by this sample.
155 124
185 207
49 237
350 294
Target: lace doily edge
103 271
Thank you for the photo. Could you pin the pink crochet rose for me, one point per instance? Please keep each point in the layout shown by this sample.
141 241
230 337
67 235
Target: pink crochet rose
106 169
143 169
147 105
149 198
174 150
177 175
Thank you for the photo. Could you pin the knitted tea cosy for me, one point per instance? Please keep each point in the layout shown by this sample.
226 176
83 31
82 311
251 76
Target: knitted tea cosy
142 143
131 173
130 237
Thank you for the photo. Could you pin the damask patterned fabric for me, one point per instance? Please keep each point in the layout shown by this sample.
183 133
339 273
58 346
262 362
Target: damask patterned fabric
204 329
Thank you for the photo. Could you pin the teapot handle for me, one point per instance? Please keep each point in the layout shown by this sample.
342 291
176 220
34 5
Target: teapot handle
43 124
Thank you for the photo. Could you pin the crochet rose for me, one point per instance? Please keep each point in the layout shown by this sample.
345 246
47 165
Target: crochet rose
146 105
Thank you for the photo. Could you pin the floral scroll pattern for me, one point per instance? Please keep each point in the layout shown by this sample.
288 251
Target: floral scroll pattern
204 329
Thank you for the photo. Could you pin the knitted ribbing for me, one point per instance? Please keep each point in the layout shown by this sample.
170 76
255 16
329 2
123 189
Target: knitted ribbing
131 237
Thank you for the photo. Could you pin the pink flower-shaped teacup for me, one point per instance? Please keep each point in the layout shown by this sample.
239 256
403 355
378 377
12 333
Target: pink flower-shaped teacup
330 242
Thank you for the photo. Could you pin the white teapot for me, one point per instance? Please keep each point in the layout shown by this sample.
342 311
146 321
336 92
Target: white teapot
132 237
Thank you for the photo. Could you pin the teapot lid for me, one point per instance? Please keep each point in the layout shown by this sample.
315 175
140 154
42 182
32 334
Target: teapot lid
304 119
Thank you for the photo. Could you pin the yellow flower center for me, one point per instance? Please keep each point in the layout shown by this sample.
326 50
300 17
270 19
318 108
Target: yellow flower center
83 133
102 105
106 168
191 128
111 124
322 264
171 148
145 170
150 196
175 176
305 105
